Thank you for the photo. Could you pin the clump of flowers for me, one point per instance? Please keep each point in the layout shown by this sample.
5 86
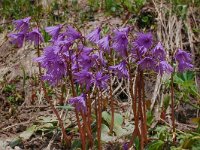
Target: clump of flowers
87 63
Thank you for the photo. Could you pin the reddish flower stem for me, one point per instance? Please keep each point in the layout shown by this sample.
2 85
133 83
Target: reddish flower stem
67 139
112 108
172 107
136 131
99 120
140 111
144 109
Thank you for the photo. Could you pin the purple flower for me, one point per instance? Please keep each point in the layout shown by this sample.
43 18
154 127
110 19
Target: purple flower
35 36
79 103
100 80
120 42
184 60
164 66
144 40
86 61
17 39
54 31
22 24
183 66
125 146
147 64
84 49
84 77
158 52
72 34
139 52
98 57
104 43
120 70
94 36
182 56
53 63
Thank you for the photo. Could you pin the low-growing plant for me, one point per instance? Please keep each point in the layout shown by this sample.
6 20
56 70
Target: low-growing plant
88 63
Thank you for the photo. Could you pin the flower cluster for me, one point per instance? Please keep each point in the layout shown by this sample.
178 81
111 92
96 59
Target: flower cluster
68 54
79 103
22 27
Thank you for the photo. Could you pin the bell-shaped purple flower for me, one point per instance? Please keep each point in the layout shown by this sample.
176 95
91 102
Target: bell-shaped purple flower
138 53
100 80
86 61
17 39
120 42
120 70
147 64
22 25
98 57
84 78
104 43
158 52
94 36
72 34
164 66
182 56
84 49
184 66
35 36
79 103
144 40
54 64
184 60
53 31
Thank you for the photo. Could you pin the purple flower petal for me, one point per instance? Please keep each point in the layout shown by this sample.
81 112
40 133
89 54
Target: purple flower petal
147 64
164 66
17 39
158 52
104 43
54 31
72 34
22 25
35 36
94 36
144 40
120 70
79 103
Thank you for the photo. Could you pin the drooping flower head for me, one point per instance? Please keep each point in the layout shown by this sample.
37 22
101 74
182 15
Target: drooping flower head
164 66
139 53
84 78
79 103
184 60
85 50
72 34
100 80
53 31
120 41
17 39
54 65
104 43
147 63
35 36
158 52
182 56
86 61
22 25
183 66
120 70
94 36
144 40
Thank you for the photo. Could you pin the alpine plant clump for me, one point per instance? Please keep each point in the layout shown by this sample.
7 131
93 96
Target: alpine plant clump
90 62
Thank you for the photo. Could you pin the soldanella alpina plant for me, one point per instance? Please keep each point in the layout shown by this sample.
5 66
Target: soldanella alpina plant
87 62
